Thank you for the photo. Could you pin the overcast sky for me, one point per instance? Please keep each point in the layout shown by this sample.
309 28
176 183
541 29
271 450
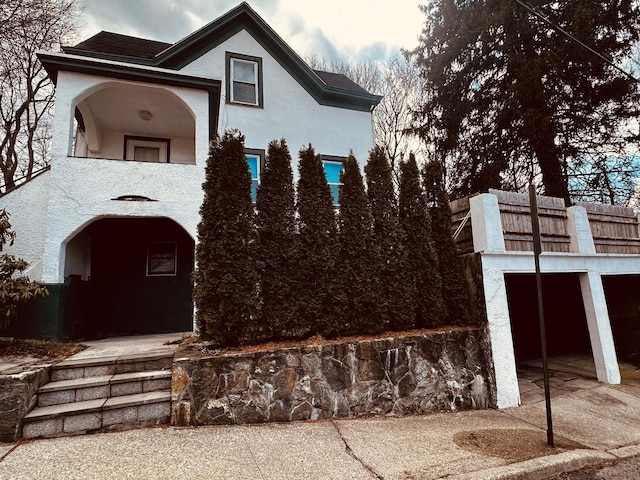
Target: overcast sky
349 29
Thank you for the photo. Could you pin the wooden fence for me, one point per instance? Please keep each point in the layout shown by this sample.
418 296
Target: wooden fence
516 222
614 229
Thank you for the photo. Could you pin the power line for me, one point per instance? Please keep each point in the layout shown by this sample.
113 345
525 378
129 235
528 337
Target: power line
574 39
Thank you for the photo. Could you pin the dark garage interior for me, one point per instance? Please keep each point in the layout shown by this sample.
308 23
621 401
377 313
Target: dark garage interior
623 301
565 319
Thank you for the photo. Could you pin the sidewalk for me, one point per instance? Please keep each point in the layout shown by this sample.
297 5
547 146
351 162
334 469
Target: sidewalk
485 444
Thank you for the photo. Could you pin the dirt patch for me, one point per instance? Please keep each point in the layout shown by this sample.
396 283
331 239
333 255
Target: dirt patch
193 342
514 445
42 349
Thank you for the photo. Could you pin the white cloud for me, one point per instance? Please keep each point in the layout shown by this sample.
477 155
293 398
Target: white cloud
354 29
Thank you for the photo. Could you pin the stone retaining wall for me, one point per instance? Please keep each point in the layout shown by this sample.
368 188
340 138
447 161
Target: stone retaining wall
436 371
18 395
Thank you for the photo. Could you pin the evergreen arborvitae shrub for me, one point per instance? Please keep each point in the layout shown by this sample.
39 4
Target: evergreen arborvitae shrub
317 247
422 271
396 293
276 227
359 259
225 291
454 288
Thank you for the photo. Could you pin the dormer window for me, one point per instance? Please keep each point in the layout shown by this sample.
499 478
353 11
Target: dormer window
244 79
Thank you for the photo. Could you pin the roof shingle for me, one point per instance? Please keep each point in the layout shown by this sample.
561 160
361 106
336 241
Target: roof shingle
117 44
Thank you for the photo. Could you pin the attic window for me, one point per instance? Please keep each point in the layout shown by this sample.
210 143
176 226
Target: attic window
244 79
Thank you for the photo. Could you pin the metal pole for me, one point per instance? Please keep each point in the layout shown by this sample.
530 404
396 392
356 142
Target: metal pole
537 249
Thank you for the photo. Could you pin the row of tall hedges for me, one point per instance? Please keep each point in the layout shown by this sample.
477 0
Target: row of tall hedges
292 265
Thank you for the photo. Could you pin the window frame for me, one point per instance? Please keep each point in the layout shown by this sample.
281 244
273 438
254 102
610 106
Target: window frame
132 141
260 155
332 159
150 273
230 57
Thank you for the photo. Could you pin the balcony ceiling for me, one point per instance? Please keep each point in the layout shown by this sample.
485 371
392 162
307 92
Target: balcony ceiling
118 108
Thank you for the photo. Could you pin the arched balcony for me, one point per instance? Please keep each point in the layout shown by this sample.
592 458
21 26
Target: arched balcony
123 121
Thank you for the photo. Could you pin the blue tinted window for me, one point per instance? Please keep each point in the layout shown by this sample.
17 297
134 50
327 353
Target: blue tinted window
332 170
254 168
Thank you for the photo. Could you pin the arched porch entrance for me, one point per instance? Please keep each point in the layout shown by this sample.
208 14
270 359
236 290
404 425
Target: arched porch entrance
130 276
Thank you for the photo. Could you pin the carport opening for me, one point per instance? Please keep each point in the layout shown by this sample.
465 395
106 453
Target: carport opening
565 319
623 303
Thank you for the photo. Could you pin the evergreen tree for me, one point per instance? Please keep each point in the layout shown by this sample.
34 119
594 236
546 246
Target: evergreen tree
396 294
423 269
359 259
275 224
454 288
508 96
225 291
316 261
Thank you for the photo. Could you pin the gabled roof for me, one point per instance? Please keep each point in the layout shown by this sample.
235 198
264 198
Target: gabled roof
327 88
116 44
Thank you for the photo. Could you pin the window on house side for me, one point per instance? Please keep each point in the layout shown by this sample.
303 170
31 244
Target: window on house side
161 259
254 167
332 169
244 79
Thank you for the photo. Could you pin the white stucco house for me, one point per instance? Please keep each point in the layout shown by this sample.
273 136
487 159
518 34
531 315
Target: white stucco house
110 227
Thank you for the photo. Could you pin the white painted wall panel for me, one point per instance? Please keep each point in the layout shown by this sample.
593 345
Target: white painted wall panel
27 206
289 111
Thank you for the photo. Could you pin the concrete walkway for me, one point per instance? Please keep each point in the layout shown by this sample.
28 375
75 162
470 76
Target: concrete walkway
604 419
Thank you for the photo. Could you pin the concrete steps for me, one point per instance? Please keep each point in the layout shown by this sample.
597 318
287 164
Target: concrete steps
103 394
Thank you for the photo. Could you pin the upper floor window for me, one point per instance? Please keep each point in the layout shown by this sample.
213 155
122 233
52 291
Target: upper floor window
244 79
332 169
146 149
255 160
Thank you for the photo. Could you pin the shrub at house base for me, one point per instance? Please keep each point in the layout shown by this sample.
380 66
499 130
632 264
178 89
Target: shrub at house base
317 249
359 257
454 289
423 271
225 291
14 287
396 293
275 224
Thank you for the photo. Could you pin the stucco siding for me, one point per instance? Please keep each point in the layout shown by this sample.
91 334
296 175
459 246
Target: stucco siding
73 88
83 189
27 206
289 111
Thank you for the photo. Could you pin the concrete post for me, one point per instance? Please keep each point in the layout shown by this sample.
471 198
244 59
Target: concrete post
580 231
499 323
486 222
595 307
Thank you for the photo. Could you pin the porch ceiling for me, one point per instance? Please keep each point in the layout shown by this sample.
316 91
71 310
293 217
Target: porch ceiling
118 108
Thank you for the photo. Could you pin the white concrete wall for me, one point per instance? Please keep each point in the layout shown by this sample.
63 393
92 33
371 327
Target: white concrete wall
289 111
27 207
73 88
182 150
82 190
496 262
